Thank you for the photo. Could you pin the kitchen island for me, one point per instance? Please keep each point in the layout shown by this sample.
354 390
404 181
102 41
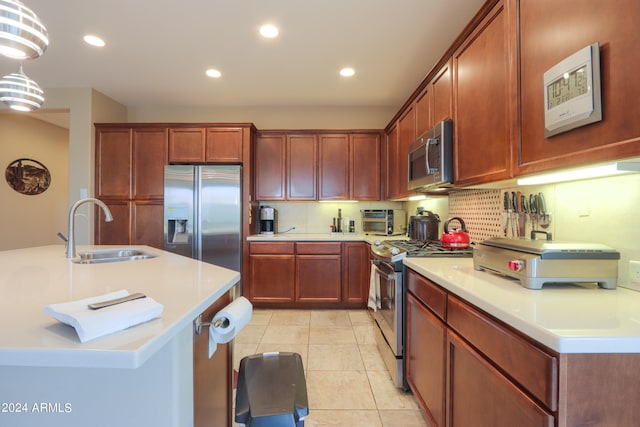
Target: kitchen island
139 376
483 350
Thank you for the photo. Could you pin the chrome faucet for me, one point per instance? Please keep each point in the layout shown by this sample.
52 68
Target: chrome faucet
71 244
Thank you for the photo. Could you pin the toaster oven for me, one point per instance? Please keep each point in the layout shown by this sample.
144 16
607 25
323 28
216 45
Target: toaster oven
384 222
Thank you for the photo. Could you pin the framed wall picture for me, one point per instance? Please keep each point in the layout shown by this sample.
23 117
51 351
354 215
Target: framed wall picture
28 176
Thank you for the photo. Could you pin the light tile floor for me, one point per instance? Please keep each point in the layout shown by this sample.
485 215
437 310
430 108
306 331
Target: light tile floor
347 381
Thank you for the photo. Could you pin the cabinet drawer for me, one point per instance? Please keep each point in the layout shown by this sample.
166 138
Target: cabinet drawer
430 294
527 364
308 248
271 248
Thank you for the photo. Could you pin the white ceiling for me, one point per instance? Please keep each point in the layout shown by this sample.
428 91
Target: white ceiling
158 50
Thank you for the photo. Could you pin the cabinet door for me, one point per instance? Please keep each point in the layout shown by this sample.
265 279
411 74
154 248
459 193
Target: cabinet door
147 223
334 167
271 278
406 136
113 162
270 160
617 135
355 277
425 349
116 232
318 278
391 163
149 158
424 111
302 161
484 82
364 167
212 378
223 145
480 396
186 145
442 92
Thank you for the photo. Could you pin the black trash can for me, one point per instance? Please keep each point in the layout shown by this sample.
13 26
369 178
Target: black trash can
272 391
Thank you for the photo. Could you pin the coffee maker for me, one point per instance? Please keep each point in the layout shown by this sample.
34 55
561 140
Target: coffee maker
268 220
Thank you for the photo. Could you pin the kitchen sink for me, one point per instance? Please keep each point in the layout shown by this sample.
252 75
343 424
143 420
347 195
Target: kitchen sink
112 255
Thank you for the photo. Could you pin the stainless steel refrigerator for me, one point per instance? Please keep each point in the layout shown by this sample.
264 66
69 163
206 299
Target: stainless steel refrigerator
202 213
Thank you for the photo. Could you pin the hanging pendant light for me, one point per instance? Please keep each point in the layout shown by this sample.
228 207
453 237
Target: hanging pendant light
22 34
20 92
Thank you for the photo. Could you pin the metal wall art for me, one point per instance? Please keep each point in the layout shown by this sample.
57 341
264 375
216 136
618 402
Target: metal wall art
28 176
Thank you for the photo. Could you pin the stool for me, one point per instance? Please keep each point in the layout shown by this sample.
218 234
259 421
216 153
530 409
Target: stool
272 391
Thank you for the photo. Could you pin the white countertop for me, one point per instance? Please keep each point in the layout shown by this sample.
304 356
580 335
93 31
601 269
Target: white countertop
35 277
318 237
566 318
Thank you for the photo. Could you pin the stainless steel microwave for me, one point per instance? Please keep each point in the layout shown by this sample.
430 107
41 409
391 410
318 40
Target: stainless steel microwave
431 158
384 222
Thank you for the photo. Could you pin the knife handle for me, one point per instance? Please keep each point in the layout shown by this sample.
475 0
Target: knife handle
108 303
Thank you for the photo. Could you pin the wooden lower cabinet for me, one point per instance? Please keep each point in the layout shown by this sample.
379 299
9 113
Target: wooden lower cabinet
318 278
356 269
271 272
134 223
307 274
425 358
484 373
481 396
212 378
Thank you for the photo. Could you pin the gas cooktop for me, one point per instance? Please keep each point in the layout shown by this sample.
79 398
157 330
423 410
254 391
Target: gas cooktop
428 248
395 250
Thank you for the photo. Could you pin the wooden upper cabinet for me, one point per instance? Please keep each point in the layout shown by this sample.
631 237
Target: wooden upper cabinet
545 40
406 136
364 167
223 145
302 163
434 102
187 145
442 93
485 122
113 162
333 167
424 110
391 163
205 145
318 166
270 167
149 158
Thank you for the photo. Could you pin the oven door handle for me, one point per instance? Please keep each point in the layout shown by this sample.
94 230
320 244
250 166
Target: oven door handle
381 273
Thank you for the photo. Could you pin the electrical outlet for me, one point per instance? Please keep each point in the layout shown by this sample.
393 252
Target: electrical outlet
634 272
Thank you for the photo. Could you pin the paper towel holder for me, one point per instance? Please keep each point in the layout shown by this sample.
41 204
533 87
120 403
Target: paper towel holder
199 324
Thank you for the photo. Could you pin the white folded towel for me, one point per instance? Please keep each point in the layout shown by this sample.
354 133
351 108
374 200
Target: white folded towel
374 289
90 324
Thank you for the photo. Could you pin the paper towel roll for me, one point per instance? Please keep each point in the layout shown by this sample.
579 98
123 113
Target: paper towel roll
238 314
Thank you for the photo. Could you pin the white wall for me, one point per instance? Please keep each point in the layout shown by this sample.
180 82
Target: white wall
272 117
33 220
86 107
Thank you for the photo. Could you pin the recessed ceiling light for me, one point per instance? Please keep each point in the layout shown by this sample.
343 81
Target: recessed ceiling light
269 31
94 40
213 73
347 72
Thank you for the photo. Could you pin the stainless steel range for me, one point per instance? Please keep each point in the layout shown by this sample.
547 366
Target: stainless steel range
387 296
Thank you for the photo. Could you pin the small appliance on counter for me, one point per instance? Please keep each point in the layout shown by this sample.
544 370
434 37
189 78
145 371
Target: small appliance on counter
424 225
384 222
538 262
268 220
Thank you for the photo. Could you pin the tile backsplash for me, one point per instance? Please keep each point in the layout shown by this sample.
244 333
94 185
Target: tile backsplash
316 217
602 210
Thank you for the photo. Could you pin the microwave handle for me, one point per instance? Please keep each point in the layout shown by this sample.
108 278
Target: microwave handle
431 141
